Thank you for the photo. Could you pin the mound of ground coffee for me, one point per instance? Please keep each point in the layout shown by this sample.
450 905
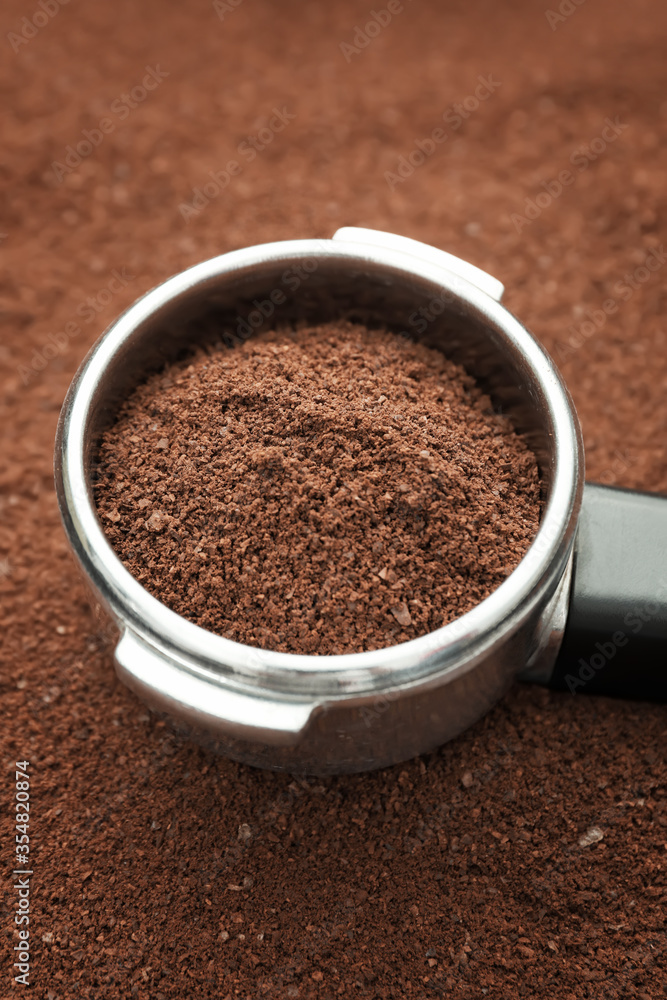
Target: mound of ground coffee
318 490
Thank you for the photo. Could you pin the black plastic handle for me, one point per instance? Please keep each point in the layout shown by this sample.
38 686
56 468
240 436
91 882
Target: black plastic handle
615 640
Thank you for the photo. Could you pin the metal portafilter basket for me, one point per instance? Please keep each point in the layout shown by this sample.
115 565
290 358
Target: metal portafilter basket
585 609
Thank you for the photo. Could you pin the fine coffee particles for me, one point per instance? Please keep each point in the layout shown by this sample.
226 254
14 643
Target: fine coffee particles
324 489
163 871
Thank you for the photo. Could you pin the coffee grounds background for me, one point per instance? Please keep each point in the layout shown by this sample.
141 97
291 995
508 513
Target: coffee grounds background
160 870
325 490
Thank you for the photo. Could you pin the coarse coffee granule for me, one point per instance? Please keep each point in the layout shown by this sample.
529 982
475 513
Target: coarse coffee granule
321 490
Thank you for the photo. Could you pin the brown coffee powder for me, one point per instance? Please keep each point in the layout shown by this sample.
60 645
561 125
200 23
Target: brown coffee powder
410 883
319 490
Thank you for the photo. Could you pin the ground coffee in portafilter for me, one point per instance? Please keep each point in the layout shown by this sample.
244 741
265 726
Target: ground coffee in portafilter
323 490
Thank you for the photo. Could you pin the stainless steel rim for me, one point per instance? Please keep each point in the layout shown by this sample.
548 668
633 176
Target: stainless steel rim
447 651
